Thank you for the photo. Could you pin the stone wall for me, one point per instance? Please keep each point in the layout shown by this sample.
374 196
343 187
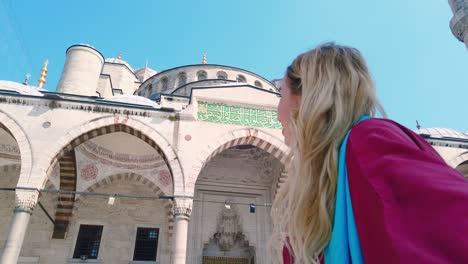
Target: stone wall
120 222
8 179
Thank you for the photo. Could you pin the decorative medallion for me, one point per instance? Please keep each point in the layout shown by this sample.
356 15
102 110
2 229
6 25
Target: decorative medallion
165 178
188 137
89 172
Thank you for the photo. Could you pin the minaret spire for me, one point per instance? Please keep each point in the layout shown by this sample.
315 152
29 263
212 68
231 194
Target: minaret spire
204 58
42 79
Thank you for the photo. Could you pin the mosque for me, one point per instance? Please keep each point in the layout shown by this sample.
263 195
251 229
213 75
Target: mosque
124 165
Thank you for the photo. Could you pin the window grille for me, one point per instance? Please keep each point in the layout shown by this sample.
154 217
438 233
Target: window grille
87 244
146 244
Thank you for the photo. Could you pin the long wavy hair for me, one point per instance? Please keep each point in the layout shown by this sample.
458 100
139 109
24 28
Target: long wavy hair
336 89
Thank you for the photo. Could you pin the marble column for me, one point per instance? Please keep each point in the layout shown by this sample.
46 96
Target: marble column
25 203
182 212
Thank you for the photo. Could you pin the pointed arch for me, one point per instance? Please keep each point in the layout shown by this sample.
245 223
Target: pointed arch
246 136
107 125
14 129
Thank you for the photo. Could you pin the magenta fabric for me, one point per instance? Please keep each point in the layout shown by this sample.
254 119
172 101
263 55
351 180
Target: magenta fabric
409 205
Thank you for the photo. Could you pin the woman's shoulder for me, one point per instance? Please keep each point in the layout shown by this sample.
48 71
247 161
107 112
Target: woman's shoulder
380 132
381 126
375 138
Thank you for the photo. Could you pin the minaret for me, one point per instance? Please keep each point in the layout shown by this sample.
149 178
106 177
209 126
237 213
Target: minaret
459 21
204 58
80 74
42 79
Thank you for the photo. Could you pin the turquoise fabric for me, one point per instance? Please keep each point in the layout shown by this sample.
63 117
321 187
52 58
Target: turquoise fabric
344 246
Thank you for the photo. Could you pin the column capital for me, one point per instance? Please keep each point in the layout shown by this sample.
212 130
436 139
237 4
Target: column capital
26 200
183 207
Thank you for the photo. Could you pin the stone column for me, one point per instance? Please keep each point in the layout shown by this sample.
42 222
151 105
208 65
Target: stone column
182 212
459 21
25 203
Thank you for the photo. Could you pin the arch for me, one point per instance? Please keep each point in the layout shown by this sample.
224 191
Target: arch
14 129
222 75
463 168
246 136
458 160
201 75
241 78
150 89
164 83
105 125
181 78
167 204
258 84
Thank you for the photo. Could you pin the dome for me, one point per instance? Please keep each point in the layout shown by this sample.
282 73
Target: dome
132 99
144 73
20 88
442 133
118 61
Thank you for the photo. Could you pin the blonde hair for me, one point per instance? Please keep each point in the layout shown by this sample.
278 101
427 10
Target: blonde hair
336 89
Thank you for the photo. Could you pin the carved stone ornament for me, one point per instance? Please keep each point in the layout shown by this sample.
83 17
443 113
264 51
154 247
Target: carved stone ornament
26 201
229 230
183 207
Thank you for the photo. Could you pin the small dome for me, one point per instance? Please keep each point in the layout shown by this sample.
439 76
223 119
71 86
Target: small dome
20 88
442 133
119 61
132 99
144 73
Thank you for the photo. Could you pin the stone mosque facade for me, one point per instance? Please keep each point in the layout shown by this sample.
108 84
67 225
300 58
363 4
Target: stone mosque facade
138 166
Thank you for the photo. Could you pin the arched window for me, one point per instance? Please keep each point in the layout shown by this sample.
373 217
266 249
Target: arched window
258 84
241 78
201 75
149 89
164 84
222 75
182 79
463 168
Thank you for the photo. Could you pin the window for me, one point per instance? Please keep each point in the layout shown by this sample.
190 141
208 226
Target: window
146 244
150 89
182 79
221 75
117 91
89 239
201 75
258 84
241 78
164 83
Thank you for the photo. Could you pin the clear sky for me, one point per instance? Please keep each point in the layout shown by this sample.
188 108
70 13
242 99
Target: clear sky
420 68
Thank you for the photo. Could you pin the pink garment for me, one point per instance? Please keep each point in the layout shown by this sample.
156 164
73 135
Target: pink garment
409 205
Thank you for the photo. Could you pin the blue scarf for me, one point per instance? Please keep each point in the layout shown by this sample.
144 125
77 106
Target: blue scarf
344 246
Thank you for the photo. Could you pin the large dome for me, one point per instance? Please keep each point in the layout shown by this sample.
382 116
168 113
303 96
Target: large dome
19 88
441 133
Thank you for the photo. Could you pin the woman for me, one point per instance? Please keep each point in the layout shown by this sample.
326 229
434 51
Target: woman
380 194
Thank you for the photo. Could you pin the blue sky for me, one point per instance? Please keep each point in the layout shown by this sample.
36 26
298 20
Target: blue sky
419 67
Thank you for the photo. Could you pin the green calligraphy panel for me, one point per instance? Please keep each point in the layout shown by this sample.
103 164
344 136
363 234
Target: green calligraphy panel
236 115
